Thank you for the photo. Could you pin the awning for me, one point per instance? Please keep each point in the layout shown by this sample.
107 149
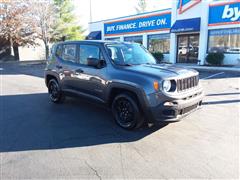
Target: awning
186 25
95 35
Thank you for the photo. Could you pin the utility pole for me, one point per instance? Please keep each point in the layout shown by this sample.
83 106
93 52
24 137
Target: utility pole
90 6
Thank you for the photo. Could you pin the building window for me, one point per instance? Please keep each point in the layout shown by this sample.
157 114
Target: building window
113 39
224 40
159 43
136 39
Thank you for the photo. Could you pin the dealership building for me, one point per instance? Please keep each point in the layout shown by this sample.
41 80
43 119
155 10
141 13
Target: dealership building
186 33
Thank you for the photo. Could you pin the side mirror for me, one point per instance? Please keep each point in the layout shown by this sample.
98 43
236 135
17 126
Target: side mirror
97 63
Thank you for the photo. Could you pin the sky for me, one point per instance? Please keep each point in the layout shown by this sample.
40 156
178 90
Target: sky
108 9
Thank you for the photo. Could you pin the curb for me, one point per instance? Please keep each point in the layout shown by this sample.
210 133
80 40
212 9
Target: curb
216 69
33 62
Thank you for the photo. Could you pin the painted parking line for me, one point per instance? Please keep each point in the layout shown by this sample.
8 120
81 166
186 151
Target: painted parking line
214 75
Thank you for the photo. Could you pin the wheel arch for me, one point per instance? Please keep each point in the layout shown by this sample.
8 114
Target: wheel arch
118 88
50 76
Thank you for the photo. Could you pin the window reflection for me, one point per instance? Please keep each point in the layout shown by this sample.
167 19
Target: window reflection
159 43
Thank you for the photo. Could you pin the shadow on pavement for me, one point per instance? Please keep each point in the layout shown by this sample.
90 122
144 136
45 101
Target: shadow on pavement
31 122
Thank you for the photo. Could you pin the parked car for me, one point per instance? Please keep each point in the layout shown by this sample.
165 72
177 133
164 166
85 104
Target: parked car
182 50
124 77
233 50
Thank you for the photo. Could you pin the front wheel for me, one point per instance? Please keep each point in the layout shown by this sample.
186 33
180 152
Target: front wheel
126 112
55 92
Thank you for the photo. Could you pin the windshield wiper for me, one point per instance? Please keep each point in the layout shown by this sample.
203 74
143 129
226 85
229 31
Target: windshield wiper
127 64
149 63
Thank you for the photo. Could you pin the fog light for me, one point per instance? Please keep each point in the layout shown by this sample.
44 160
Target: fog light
169 103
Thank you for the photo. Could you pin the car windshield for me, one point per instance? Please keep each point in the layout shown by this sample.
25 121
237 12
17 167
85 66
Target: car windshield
129 54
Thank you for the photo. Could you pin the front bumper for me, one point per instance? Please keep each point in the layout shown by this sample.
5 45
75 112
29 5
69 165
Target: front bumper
173 109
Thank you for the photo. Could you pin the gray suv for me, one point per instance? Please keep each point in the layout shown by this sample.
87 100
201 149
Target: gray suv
124 77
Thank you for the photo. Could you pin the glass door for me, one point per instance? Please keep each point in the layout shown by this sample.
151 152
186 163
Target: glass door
182 49
188 46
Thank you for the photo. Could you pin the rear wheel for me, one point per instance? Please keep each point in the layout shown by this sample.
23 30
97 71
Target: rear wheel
55 92
126 111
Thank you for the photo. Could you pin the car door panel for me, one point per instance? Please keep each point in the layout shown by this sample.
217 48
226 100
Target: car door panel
91 80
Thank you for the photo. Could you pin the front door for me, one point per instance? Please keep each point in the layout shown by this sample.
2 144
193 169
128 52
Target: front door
187 48
91 80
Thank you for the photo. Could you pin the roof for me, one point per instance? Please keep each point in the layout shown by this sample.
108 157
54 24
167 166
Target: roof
90 41
123 17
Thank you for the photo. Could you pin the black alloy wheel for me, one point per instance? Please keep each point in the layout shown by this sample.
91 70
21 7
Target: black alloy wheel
54 91
126 112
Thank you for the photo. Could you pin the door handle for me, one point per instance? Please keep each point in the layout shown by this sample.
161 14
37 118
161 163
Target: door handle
59 67
79 71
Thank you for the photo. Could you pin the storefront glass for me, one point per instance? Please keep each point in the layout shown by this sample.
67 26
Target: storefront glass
224 40
113 39
159 43
136 39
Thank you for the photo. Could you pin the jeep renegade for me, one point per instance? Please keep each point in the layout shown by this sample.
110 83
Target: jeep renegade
126 78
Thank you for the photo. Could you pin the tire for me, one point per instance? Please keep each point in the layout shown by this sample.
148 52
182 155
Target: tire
126 112
54 91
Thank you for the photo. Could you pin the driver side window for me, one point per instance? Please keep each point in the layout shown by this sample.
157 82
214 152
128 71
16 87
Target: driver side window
89 51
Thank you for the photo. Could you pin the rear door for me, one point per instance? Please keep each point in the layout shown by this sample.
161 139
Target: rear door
68 66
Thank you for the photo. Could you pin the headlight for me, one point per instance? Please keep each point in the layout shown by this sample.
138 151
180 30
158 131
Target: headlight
166 85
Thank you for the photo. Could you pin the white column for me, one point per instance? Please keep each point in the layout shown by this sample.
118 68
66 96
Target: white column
173 39
173 48
203 38
145 40
121 38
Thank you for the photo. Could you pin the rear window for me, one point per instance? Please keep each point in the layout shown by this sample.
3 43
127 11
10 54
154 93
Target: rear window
59 51
69 52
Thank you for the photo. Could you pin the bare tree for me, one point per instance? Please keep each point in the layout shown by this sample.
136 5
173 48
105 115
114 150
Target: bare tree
47 20
17 27
141 6
44 13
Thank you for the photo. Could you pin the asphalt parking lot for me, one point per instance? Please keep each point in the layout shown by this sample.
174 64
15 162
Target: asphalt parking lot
79 140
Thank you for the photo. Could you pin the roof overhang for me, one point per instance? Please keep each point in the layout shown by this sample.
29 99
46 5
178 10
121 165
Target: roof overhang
186 25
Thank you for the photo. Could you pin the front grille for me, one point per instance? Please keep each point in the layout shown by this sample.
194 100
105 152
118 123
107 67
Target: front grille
187 83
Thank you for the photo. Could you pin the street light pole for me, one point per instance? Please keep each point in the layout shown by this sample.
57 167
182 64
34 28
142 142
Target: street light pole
90 4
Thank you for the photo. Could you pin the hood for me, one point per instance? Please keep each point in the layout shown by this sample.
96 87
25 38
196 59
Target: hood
163 71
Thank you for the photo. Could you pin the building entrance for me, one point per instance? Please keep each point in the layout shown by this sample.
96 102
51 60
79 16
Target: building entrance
187 48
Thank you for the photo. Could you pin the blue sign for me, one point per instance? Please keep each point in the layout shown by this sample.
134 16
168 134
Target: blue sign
140 24
183 2
184 5
222 32
224 14
186 25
